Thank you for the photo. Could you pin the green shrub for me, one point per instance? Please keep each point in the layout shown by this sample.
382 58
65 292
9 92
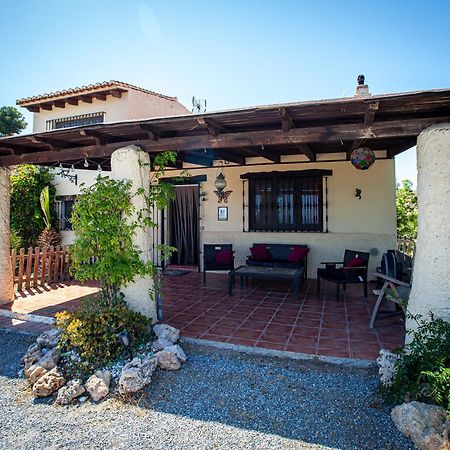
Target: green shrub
92 330
14 240
423 368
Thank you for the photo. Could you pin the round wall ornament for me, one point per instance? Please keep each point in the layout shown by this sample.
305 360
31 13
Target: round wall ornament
362 158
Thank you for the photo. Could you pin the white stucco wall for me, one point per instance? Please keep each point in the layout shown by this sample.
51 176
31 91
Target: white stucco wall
366 224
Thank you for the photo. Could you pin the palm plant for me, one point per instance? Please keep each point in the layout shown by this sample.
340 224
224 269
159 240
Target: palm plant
49 236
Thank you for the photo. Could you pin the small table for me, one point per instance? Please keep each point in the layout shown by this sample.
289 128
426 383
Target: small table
271 273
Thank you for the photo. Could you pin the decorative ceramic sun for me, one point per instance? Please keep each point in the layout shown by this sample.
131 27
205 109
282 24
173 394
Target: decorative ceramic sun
362 158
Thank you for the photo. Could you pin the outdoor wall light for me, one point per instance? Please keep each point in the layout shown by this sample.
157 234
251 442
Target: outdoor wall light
220 184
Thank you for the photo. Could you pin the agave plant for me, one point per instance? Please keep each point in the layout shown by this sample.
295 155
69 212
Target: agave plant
49 236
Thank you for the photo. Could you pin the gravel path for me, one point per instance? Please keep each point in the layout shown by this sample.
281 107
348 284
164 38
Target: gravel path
218 400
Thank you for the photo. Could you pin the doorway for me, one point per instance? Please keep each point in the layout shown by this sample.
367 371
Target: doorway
184 225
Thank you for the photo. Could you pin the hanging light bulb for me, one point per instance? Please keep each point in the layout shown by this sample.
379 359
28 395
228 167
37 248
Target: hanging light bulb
99 168
60 165
72 168
86 164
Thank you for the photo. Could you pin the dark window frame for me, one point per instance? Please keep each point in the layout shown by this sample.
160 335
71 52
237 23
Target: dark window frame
281 208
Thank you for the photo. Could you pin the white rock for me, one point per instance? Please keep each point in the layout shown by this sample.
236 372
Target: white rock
35 372
69 392
164 331
49 338
167 360
45 364
82 399
424 424
177 350
98 384
137 374
160 344
48 383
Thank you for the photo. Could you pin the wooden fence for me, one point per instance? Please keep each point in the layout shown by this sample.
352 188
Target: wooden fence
37 267
406 246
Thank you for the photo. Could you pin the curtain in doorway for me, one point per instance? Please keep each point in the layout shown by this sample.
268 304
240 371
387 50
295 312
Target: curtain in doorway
185 225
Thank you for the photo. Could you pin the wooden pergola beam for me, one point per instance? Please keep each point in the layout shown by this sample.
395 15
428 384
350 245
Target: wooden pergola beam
286 120
263 153
330 133
306 150
369 115
150 129
395 150
231 157
100 138
214 129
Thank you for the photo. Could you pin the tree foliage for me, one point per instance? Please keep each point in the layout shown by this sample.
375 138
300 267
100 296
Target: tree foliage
27 183
406 210
105 221
11 121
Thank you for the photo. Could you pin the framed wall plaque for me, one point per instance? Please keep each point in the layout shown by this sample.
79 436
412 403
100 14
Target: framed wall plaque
222 213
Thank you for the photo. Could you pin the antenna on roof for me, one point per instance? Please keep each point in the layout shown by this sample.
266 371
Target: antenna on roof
198 105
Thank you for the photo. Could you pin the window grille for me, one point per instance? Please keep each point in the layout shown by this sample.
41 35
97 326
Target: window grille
76 121
64 214
285 203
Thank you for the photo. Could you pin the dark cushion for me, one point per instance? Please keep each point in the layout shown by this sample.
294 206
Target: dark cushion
297 254
355 262
224 257
260 253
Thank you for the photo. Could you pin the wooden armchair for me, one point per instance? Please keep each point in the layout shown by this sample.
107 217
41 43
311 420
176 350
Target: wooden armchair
396 291
353 271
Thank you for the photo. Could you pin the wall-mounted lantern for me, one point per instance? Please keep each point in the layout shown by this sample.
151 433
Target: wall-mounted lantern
220 183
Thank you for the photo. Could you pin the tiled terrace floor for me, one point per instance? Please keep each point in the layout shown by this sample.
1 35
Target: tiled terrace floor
267 315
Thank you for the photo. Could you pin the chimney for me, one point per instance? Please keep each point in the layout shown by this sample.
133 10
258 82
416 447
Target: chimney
362 88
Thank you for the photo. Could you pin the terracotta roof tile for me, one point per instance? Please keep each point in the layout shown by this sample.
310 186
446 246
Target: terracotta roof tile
86 89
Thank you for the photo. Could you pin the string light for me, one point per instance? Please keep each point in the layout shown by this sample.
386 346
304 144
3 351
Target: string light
72 168
99 168
60 165
86 164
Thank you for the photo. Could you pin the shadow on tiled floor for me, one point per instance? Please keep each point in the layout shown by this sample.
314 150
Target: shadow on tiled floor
268 315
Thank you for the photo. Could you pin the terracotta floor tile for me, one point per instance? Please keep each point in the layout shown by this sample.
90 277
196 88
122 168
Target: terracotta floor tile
253 325
308 349
340 353
239 341
297 339
306 331
245 333
329 343
279 338
270 345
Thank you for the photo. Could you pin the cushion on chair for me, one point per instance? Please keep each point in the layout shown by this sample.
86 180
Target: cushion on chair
355 262
224 257
297 254
260 253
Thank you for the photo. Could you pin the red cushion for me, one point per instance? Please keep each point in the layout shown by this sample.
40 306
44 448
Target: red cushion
355 262
297 254
224 257
260 253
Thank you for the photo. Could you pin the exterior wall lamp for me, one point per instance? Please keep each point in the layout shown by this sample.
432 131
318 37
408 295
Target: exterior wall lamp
220 184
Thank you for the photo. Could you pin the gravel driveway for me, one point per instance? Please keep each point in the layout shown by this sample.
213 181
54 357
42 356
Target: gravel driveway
218 400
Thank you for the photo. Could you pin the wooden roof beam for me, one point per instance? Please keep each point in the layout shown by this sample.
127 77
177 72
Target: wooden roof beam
231 157
329 134
59 103
286 119
86 98
100 138
73 101
53 144
33 108
46 106
214 129
355 144
150 129
306 150
115 93
99 96
263 153
369 115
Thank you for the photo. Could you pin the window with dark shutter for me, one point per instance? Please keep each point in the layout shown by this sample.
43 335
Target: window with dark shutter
286 201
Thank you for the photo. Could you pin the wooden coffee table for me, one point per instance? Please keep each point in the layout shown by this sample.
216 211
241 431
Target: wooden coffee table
268 273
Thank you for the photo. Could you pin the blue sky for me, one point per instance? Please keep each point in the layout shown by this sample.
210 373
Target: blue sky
233 53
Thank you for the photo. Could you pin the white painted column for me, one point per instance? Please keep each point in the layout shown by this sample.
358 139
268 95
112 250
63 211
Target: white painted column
131 163
431 278
6 275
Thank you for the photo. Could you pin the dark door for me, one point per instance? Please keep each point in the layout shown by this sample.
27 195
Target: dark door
184 225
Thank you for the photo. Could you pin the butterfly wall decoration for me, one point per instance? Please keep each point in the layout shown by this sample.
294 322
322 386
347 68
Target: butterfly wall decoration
223 196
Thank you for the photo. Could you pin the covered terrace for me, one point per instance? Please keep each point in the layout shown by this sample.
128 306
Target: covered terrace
317 131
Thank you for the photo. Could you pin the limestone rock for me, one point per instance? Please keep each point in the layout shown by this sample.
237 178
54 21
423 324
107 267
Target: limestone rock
424 424
46 363
177 350
48 383
98 384
160 344
32 355
137 374
49 338
168 360
167 332
72 390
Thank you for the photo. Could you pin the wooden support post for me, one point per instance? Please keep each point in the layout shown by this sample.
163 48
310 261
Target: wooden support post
29 262
36 267
21 264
